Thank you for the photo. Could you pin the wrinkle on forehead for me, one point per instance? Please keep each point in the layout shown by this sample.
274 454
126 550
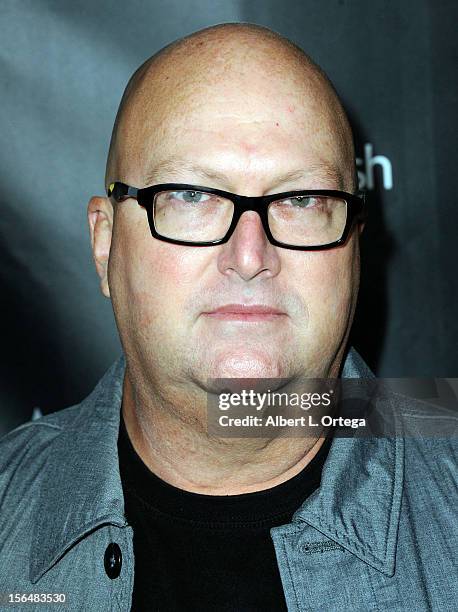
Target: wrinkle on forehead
177 169
246 69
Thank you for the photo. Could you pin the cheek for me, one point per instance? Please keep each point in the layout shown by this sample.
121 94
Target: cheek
150 280
327 282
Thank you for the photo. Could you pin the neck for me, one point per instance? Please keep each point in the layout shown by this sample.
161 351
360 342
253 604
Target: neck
174 444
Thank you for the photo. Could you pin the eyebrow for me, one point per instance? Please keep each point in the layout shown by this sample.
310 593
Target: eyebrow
176 166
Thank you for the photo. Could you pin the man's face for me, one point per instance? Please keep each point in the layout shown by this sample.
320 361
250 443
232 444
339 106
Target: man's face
267 138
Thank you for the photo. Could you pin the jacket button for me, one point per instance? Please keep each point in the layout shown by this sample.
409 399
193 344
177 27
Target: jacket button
113 560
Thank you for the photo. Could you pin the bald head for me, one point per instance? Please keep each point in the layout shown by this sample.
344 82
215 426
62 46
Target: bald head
234 108
243 71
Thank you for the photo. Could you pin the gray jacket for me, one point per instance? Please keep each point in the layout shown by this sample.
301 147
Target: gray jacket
379 534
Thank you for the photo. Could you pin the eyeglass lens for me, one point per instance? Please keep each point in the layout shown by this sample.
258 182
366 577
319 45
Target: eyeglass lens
198 216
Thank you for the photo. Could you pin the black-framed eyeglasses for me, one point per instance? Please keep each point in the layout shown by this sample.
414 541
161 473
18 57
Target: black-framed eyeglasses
201 216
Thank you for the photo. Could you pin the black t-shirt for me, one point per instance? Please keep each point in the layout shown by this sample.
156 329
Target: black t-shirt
203 553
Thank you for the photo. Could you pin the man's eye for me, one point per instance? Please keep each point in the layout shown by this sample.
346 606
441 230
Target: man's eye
302 202
191 197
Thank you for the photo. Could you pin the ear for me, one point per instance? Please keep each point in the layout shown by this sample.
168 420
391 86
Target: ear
100 218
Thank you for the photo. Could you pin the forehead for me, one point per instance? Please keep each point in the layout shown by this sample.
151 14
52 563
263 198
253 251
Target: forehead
251 123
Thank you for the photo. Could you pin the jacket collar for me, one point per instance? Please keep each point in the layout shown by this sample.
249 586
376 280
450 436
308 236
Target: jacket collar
359 500
82 485
357 504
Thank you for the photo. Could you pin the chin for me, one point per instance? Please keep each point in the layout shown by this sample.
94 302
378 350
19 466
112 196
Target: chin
248 365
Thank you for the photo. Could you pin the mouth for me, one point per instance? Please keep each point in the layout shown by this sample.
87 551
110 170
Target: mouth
243 312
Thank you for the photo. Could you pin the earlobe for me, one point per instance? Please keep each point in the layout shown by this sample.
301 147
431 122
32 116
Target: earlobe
100 219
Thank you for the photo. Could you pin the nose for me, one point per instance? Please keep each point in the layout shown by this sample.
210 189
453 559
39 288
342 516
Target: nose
248 253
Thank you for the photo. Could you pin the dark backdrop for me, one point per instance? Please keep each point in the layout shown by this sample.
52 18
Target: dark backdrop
63 70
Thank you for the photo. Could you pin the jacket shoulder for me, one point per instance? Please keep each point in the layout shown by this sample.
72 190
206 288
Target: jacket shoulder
27 447
431 454
33 431
25 450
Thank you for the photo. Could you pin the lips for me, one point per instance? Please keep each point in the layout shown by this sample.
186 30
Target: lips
251 312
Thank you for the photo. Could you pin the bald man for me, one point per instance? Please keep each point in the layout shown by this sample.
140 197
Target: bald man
227 242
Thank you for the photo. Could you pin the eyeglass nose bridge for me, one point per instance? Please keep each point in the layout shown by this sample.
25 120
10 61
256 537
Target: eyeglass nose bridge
242 204
250 202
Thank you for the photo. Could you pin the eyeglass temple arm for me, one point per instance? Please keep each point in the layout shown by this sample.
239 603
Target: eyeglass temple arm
363 213
120 191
